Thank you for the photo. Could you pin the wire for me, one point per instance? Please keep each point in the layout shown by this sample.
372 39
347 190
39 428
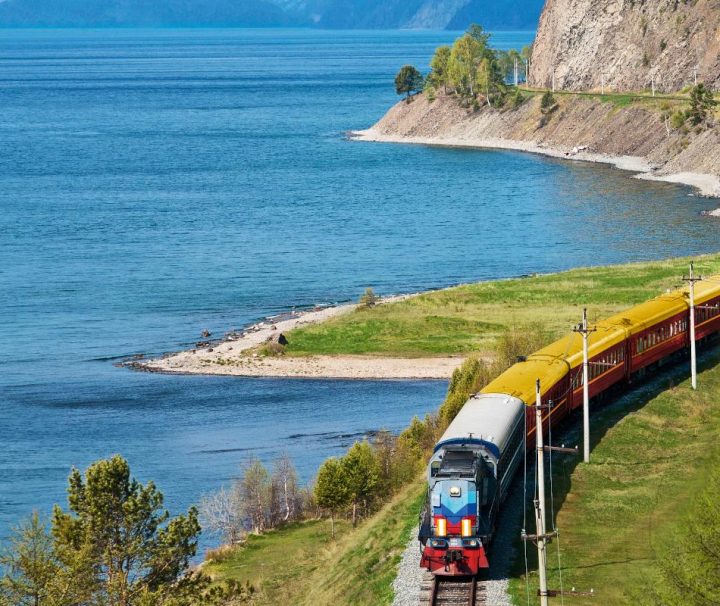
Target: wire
552 512
527 577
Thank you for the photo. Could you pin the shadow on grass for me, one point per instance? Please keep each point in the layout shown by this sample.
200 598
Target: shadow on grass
506 552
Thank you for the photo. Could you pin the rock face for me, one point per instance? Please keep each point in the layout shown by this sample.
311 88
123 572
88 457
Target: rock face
627 43
579 123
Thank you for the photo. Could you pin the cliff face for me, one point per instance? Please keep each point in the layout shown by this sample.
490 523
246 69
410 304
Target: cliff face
627 42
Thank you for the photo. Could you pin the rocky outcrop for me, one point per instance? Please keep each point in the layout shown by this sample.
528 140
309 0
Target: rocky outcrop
627 44
635 137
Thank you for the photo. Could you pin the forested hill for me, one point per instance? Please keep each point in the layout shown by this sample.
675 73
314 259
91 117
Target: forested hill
346 14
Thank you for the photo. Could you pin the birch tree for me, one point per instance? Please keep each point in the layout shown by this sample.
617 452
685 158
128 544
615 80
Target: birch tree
285 490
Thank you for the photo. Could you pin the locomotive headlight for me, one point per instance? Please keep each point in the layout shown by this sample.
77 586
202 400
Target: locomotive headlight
455 491
440 526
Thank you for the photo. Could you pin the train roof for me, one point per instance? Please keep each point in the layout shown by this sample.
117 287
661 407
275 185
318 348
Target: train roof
486 420
552 362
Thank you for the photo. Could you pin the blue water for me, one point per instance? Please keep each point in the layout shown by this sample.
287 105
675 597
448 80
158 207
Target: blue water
156 183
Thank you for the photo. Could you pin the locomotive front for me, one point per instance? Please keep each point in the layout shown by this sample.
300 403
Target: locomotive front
452 526
467 480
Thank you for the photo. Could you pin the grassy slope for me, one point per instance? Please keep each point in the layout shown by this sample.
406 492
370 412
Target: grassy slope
469 318
277 563
652 450
300 564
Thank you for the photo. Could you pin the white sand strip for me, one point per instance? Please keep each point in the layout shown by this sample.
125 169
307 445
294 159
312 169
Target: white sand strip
236 356
325 367
707 184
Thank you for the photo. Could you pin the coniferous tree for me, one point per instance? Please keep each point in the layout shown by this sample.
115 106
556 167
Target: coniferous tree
408 81
30 565
117 544
701 102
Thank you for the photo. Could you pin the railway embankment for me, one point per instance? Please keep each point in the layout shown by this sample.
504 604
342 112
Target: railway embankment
624 518
633 133
621 517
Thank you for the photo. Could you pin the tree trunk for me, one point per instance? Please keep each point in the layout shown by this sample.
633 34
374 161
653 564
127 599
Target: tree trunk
354 513
287 500
332 525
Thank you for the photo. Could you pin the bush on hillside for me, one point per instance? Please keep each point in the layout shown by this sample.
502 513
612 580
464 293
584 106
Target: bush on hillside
547 102
368 299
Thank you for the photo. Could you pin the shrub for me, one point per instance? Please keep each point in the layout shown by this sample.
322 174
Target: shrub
677 120
701 102
518 341
547 102
516 99
368 299
272 349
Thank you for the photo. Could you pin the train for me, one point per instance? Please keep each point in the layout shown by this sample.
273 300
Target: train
473 464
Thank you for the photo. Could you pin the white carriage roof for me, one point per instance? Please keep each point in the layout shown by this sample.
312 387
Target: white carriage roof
490 418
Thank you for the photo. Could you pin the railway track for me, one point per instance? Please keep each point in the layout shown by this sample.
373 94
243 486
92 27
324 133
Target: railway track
452 591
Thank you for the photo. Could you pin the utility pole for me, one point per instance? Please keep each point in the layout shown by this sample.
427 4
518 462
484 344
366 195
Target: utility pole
693 355
602 83
527 72
516 72
695 71
540 503
652 82
553 79
585 332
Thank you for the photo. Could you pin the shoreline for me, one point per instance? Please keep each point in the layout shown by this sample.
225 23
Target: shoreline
235 355
707 185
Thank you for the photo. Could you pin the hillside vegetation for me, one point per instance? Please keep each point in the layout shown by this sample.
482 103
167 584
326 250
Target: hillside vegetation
623 518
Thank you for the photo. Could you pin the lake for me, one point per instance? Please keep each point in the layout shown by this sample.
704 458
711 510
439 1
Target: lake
156 183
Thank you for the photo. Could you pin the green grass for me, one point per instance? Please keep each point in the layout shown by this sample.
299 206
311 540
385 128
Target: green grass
363 566
301 565
652 449
278 563
469 318
619 514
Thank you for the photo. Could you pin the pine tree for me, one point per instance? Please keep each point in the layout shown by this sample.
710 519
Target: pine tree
30 565
701 102
117 543
408 81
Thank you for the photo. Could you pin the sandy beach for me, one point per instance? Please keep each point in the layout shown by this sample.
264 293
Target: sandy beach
707 185
236 355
